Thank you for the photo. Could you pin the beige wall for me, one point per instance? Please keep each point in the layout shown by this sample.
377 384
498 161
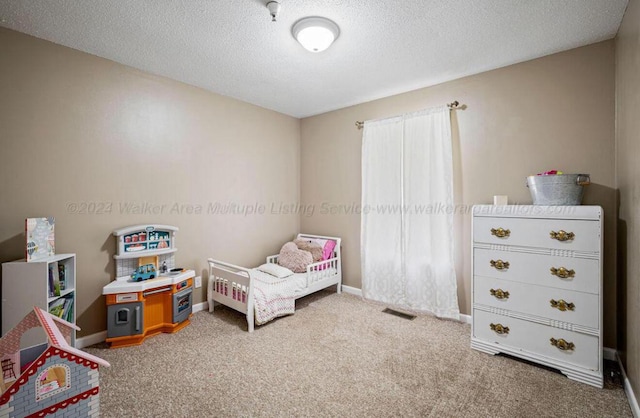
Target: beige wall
80 129
552 112
628 182
77 129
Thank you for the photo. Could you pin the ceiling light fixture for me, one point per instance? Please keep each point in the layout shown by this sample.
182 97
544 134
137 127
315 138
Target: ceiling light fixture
315 34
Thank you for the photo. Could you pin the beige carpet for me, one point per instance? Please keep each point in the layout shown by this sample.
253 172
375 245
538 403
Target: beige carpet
337 356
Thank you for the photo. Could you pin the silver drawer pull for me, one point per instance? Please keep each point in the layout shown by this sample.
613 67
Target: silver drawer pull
499 329
500 232
562 344
499 264
562 305
499 293
562 272
562 235
153 292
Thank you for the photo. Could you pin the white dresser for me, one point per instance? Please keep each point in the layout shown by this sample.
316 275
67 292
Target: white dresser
537 286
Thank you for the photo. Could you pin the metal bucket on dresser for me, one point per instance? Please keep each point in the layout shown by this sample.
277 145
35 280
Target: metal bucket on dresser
558 189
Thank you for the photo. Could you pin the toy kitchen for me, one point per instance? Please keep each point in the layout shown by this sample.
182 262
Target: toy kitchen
150 294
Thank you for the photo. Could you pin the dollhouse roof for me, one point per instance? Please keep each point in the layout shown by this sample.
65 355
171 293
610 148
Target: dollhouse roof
57 331
55 328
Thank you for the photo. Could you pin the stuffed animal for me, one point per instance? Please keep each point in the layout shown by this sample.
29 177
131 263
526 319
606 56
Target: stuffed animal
313 247
294 258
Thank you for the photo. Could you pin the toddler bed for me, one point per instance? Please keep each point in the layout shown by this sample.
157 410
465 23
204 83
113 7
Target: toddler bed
265 292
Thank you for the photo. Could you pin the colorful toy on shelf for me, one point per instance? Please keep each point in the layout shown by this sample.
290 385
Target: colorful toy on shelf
144 272
62 380
139 240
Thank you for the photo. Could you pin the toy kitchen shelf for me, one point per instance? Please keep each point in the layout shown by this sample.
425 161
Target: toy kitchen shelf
145 240
161 303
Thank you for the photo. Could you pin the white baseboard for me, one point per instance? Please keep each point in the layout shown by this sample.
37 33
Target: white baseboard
628 390
612 354
465 318
202 306
609 354
92 339
352 290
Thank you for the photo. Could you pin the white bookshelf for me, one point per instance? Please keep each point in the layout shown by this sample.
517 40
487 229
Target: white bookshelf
26 284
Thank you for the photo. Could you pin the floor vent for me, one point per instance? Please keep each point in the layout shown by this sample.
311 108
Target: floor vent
400 314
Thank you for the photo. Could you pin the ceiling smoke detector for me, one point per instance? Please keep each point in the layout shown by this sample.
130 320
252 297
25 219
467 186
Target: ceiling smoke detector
315 33
274 9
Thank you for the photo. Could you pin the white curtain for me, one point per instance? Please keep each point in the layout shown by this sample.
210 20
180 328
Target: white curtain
407 213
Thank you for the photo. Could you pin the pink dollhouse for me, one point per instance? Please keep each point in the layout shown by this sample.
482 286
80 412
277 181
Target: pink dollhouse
61 381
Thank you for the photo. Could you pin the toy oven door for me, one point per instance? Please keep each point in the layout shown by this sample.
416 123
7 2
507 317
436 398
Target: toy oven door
182 305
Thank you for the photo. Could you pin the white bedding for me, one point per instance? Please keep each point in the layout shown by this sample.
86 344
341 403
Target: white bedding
275 297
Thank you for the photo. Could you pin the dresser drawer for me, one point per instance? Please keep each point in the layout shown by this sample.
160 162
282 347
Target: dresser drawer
537 233
583 275
536 339
536 300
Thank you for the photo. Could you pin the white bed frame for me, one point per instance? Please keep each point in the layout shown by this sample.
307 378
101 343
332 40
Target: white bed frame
232 285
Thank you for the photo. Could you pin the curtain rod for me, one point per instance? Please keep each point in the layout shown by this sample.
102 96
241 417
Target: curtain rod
452 106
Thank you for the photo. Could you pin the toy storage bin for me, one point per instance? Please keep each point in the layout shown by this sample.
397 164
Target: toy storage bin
558 189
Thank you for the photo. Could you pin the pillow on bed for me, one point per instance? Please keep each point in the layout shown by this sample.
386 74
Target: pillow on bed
327 251
275 270
294 258
312 246
328 245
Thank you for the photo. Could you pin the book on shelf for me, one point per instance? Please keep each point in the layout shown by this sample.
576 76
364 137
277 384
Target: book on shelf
54 279
51 287
62 308
55 271
62 276
68 310
56 308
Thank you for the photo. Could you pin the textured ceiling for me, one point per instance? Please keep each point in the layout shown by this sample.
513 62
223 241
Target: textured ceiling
387 47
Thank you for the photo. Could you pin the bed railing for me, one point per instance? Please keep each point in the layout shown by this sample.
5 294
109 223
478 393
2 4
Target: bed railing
231 285
316 271
238 292
322 270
